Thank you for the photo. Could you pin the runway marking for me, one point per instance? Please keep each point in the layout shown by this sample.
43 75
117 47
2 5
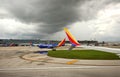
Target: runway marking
45 68
72 61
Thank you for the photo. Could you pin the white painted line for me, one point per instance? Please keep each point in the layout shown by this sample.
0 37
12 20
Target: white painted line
44 68
59 68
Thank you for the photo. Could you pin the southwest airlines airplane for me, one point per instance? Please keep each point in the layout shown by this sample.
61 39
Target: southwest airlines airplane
71 38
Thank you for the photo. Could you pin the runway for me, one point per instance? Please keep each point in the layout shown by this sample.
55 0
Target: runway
11 65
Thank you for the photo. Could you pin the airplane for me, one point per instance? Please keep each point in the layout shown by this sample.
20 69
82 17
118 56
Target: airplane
62 43
71 38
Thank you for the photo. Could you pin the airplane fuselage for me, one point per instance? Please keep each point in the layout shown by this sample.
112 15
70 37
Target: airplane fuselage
47 45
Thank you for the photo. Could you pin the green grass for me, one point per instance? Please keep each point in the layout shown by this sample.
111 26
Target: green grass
83 54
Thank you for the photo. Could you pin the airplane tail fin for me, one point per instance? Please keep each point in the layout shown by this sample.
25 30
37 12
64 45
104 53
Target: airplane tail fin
71 38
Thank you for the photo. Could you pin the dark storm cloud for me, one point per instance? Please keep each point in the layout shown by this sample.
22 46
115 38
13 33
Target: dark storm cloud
54 14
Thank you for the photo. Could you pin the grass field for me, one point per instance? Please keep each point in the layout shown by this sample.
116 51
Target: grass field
83 54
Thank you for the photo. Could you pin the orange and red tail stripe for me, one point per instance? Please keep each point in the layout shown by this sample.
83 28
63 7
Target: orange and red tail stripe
71 37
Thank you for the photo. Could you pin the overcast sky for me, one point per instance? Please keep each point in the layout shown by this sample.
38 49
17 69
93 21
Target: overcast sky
45 19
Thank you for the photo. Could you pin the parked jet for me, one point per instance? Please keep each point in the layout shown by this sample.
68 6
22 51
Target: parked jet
71 38
62 43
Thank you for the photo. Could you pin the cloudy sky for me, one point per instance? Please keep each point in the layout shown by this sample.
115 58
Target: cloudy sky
45 19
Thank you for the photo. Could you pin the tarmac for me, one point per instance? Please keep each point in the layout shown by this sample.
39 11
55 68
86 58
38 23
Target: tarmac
17 60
